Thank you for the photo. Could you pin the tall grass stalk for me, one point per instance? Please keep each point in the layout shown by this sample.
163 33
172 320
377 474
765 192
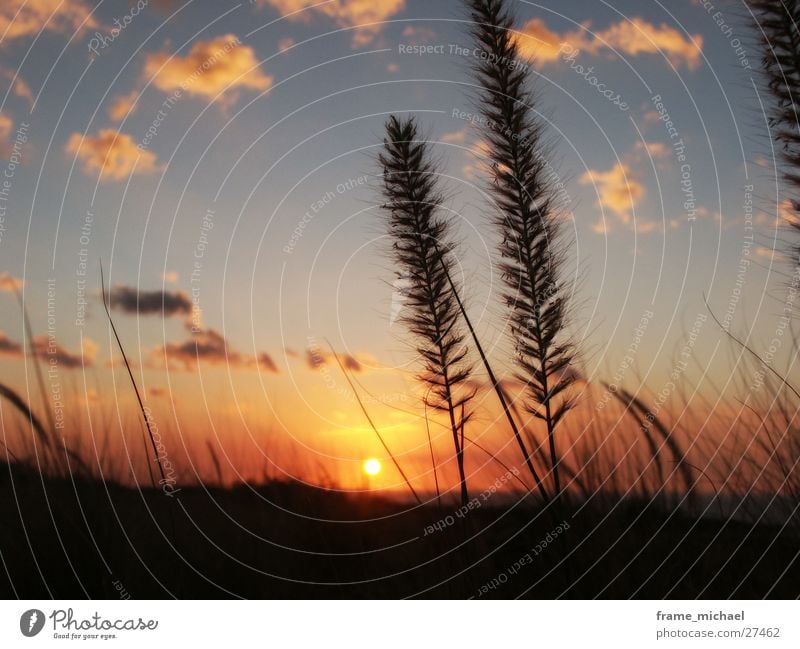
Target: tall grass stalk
48 440
501 394
648 421
532 248
19 403
422 244
779 33
142 409
433 457
767 366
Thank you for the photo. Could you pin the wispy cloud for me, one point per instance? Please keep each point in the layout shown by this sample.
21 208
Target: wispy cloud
621 189
285 43
207 345
21 18
8 346
618 189
344 13
6 129
9 283
21 87
45 346
112 154
656 150
167 303
317 358
264 362
419 35
629 37
454 137
123 105
211 67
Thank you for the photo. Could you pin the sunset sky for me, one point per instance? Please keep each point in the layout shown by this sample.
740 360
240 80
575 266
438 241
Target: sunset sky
223 155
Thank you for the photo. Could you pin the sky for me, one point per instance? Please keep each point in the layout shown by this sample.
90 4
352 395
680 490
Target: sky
218 161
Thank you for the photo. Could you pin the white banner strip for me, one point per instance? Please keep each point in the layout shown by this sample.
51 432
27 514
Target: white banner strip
399 625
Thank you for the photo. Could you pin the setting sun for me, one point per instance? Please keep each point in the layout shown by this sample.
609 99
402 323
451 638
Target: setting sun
372 466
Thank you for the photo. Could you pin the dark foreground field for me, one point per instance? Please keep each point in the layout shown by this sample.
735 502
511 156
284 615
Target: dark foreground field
75 540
